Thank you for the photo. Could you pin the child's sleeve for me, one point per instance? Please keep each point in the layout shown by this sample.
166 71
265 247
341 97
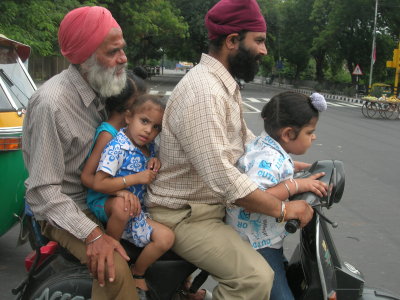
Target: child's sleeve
263 168
111 158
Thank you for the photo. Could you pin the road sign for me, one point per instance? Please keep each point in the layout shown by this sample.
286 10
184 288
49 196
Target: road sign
357 71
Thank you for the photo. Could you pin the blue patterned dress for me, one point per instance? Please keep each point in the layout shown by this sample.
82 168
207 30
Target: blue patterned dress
121 158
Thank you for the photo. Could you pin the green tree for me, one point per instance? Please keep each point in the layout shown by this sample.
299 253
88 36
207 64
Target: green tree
34 22
297 34
150 27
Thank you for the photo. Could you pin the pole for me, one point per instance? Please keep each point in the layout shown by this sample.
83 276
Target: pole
373 48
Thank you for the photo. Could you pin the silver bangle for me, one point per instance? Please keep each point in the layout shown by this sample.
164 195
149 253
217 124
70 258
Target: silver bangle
95 239
124 180
295 183
287 188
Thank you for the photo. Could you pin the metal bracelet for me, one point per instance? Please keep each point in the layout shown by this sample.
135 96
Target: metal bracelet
95 239
124 180
287 188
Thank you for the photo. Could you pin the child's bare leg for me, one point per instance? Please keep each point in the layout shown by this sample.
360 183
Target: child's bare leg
117 217
162 239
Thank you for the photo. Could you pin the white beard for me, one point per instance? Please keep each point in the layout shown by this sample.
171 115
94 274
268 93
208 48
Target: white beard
103 79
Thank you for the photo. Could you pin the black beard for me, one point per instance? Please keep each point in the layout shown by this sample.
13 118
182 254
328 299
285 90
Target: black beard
244 65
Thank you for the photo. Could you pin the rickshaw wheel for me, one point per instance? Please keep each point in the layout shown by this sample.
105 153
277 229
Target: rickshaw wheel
392 111
372 109
364 109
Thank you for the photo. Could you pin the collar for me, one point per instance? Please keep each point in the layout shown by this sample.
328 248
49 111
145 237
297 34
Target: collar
217 68
269 141
82 86
127 145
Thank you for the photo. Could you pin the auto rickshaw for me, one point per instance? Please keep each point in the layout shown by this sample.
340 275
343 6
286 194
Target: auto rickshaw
16 87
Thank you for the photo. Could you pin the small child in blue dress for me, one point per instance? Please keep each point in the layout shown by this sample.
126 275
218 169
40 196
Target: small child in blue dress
128 163
290 120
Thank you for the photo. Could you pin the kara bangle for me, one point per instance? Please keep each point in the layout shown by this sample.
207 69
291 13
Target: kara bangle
124 180
283 213
295 183
95 239
287 188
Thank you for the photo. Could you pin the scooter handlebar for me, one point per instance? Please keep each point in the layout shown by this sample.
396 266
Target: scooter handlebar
292 225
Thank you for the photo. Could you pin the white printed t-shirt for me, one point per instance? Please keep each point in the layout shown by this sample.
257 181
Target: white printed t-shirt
267 164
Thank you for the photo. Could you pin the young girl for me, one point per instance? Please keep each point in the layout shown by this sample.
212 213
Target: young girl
290 120
124 164
116 107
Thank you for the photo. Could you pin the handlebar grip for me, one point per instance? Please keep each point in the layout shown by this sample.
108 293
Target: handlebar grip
292 225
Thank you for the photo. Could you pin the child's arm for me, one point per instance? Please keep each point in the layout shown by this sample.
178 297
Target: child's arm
299 165
89 170
288 188
105 183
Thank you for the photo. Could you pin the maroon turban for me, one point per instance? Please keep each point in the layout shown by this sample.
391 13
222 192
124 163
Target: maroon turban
231 16
83 30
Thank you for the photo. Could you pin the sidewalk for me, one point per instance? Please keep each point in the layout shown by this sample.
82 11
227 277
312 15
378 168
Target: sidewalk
307 91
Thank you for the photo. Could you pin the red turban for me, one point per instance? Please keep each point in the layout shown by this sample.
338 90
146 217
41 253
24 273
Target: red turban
83 30
231 16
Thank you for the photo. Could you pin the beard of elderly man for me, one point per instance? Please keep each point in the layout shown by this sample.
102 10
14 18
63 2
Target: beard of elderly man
106 81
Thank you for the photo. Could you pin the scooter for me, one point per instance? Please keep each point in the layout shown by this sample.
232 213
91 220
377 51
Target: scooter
315 270
54 273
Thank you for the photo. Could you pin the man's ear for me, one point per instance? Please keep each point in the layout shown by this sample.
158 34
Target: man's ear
287 134
232 41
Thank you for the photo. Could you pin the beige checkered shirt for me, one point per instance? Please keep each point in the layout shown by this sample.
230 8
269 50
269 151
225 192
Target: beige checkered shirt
203 136
58 131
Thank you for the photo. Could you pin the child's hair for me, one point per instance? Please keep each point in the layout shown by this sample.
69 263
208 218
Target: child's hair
156 99
118 103
290 109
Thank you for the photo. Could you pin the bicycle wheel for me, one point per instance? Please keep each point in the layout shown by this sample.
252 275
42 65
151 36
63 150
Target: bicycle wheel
372 109
392 111
364 108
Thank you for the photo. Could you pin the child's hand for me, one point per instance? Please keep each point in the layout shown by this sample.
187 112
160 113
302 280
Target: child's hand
154 164
147 177
131 202
311 184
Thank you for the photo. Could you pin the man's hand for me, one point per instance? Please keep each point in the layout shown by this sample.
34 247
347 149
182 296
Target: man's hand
131 202
100 253
300 210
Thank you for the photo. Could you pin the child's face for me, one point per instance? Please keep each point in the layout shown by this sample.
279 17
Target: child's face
304 139
144 124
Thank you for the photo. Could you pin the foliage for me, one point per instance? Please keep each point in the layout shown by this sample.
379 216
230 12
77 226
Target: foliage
316 39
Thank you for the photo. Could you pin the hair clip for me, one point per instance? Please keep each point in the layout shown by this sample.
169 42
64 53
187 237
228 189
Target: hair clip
318 101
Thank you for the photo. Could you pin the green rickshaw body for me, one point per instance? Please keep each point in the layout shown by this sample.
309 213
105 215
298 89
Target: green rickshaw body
16 87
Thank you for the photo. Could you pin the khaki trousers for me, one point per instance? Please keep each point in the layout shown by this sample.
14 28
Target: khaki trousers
123 287
203 239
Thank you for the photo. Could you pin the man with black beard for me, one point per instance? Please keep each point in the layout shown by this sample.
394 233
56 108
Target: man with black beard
58 131
203 136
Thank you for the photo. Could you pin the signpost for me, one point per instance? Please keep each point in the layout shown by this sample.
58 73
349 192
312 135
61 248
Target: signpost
357 72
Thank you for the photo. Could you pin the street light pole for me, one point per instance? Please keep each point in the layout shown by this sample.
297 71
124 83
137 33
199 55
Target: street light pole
373 48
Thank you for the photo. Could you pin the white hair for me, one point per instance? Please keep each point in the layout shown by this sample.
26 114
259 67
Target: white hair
104 79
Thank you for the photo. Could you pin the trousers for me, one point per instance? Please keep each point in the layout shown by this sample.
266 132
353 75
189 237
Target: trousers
123 287
202 238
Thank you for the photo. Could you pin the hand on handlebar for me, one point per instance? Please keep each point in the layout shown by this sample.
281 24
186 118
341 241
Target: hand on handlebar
312 184
300 210
100 255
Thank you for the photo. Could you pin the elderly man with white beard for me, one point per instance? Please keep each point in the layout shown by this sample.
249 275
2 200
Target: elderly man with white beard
57 135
